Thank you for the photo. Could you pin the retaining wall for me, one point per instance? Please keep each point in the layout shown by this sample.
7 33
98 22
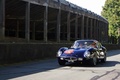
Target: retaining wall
11 53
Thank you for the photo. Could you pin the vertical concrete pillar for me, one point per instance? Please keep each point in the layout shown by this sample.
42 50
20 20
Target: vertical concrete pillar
17 31
59 23
46 21
100 31
68 27
27 22
2 19
76 27
94 29
80 25
107 31
82 28
106 34
87 25
103 28
91 30
97 30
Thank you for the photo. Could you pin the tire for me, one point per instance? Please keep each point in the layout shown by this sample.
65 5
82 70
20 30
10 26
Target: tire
85 62
103 60
94 61
61 62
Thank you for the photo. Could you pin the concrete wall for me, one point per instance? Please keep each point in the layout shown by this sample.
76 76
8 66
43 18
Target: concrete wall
11 53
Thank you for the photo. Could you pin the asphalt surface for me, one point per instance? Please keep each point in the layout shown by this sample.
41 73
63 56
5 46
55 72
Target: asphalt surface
50 70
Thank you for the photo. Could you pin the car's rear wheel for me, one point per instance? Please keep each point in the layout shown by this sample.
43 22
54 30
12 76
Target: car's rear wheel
61 62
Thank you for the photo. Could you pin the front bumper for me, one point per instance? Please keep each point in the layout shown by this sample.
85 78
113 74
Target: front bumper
71 59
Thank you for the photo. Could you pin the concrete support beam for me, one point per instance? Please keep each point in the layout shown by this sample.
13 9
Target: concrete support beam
68 26
2 19
46 22
107 31
17 34
27 22
87 25
101 29
98 30
94 33
103 33
76 27
91 30
58 24
79 26
97 34
82 28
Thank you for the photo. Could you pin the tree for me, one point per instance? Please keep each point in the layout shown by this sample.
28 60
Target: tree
111 11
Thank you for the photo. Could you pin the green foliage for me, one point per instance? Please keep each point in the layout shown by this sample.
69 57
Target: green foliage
111 11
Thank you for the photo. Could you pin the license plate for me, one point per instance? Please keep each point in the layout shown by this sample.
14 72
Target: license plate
70 60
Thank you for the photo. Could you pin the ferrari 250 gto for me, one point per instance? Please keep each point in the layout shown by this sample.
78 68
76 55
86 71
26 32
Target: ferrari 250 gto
82 51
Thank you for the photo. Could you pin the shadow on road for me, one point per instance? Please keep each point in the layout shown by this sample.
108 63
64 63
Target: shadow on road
27 69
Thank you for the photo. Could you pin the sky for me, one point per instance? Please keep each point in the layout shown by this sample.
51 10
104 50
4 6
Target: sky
92 5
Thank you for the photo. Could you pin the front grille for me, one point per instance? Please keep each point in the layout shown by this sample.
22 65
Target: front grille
71 58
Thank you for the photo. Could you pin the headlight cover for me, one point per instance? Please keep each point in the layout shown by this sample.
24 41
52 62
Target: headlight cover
87 54
59 53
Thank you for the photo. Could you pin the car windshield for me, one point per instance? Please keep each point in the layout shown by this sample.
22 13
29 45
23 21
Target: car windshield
81 44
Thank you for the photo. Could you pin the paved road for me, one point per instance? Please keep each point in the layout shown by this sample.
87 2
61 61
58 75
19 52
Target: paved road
50 70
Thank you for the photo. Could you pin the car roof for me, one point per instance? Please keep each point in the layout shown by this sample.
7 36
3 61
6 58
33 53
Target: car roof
88 40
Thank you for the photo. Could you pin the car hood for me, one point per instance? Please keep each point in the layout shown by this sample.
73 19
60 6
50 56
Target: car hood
78 52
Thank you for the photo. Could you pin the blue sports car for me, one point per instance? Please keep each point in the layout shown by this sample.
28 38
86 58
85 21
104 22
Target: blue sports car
85 51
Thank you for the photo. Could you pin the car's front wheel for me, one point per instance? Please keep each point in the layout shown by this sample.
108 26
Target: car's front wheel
104 59
61 62
94 61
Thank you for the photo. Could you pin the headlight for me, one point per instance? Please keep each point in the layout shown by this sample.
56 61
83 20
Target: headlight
87 54
59 53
